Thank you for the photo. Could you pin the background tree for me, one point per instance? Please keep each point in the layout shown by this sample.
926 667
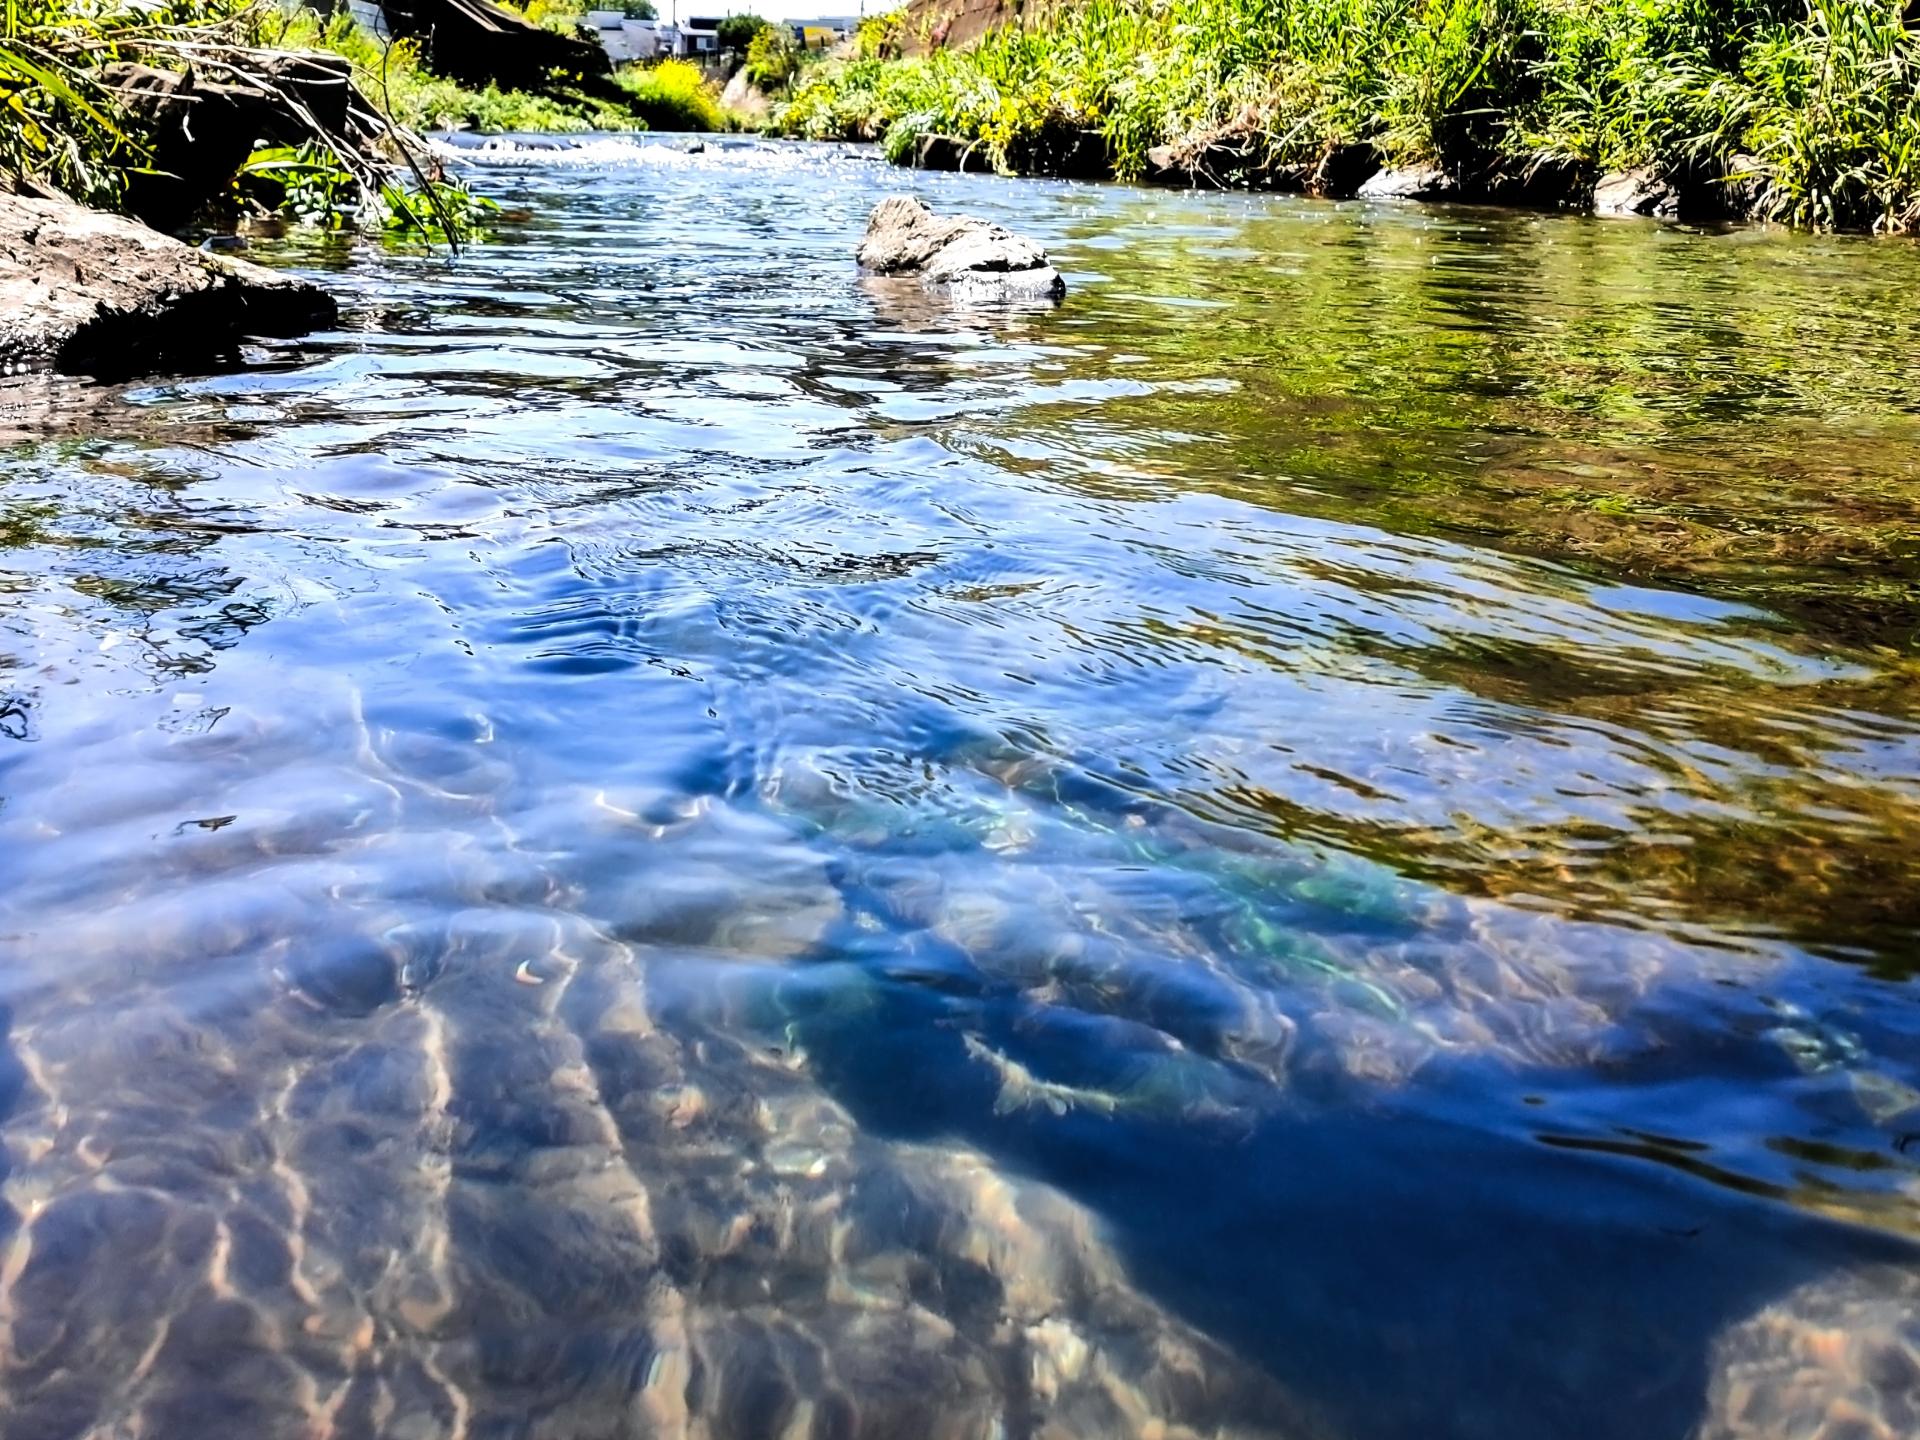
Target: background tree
736 32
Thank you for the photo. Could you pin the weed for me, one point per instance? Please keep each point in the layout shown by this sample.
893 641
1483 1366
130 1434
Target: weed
1805 111
672 95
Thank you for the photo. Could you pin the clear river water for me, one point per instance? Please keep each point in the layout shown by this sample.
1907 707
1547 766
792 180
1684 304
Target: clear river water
651 839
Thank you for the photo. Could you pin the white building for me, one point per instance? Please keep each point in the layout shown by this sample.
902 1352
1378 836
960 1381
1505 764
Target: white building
369 16
625 40
699 35
822 31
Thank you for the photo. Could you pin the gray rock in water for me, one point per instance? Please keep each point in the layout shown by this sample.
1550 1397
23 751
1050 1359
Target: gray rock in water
1416 182
973 258
1635 192
89 293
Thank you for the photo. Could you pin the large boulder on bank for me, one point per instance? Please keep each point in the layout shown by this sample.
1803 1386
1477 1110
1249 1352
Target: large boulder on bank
1635 192
200 126
89 293
973 258
1240 156
1228 158
1413 182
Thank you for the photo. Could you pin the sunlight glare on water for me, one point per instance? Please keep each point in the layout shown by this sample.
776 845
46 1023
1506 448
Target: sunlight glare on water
652 839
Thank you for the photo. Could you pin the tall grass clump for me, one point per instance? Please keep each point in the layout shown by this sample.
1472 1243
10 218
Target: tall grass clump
672 95
60 125
1805 111
392 74
388 72
67 122
1829 113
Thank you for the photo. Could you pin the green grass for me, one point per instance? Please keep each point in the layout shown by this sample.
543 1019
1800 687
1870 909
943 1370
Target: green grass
672 95
63 127
1800 110
60 126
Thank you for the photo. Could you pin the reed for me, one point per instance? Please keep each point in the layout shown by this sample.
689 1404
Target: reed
59 125
65 124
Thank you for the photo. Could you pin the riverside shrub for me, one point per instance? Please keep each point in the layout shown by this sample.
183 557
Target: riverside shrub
1812 106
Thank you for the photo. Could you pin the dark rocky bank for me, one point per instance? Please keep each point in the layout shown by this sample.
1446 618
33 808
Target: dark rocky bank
1234 159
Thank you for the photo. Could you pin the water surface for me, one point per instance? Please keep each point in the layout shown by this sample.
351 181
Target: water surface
653 840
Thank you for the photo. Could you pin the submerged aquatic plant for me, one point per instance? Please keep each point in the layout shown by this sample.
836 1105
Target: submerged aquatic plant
1021 1089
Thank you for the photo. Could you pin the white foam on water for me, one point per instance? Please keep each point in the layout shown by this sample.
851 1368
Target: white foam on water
609 151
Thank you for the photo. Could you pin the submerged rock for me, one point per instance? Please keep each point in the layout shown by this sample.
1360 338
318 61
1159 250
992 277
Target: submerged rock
1635 192
347 975
974 258
1416 182
87 293
1838 1357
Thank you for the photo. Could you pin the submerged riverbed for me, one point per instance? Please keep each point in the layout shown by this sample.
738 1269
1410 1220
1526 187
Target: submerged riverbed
654 840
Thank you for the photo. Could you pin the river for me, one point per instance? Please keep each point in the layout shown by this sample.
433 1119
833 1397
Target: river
651 839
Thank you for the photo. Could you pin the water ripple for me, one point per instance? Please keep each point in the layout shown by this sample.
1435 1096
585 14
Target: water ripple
647 839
